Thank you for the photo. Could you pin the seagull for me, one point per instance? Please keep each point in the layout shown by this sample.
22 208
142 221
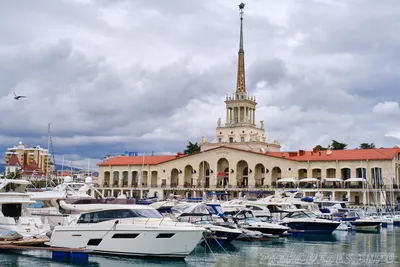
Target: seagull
17 97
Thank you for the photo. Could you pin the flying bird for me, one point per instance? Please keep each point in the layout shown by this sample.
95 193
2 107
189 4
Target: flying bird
17 97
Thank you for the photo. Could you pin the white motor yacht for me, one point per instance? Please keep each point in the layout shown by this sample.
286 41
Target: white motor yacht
134 231
14 214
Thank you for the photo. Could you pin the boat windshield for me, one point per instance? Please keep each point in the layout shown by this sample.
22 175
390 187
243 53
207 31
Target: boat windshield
302 214
106 215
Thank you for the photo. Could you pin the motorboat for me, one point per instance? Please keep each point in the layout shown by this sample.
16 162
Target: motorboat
14 213
60 205
135 231
304 221
367 224
200 214
246 220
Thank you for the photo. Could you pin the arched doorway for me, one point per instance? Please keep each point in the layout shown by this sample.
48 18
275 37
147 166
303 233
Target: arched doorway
154 179
302 173
242 174
222 173
135 178
316 173
345 173
361 173
331 173
115 178
259 174
204 173
174 177
275 175
125 179
188 178
107 177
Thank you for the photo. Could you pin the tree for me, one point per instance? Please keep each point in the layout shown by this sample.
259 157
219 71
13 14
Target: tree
191 148
367 146
337 145
319 147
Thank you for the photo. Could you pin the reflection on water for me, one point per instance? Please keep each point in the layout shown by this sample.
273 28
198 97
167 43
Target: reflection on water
338 249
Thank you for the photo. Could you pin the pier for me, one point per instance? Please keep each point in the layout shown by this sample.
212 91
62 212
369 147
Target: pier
71 255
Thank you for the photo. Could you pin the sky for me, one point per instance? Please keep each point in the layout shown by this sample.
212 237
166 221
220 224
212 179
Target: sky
151 75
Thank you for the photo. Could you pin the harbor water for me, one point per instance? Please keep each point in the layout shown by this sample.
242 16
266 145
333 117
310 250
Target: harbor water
338 249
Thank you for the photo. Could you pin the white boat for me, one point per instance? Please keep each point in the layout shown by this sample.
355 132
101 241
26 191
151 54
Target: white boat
134 231
199 214
14 214
367 224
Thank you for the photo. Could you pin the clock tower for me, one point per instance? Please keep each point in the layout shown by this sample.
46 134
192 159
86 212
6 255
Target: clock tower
240 128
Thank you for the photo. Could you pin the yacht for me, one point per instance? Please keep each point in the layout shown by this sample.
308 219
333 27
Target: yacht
246 220
304 221
14 214
131 230
61 204
200 214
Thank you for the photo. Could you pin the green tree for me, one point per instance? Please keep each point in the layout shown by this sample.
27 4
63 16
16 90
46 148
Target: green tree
191 148
337 145
367 146
319 147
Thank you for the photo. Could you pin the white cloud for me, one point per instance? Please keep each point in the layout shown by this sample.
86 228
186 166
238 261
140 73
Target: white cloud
387 108
151 75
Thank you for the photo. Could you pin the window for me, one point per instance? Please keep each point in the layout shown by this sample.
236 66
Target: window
165 235
124 235
230 139
219 140
242 139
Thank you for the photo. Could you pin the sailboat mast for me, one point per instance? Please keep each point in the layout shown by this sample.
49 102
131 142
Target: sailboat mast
141 177
48 154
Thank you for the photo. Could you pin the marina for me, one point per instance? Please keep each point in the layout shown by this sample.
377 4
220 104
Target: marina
240 199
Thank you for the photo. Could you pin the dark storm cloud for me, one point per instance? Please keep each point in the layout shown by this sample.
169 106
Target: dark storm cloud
152 75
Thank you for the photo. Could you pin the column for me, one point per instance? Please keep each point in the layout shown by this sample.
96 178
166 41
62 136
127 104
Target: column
246 114
251 115
254 116
230 115
227 116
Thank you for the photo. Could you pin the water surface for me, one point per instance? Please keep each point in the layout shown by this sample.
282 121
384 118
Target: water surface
338 249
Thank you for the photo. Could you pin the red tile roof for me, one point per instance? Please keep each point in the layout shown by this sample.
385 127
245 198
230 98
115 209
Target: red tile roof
138 160
13 161
343 155
32 168
301 155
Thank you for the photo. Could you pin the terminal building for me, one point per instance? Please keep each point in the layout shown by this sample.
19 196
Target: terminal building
240 160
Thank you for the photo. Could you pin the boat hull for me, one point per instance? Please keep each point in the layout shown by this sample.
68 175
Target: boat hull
129 239
271 231
312 227
367 226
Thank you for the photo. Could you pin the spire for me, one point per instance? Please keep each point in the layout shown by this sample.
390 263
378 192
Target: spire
241 82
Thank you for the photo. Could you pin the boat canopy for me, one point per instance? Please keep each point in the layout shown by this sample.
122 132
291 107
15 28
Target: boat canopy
308 180
356 180
333 179
288 180
196 208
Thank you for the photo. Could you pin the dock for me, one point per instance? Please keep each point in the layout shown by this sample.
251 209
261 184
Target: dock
71 255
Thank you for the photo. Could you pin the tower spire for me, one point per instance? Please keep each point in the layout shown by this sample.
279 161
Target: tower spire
241 81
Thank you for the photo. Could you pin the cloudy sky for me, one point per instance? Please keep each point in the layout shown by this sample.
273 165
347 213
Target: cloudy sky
150 75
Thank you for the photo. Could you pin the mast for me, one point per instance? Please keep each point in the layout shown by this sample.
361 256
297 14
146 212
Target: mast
48 154
141 177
